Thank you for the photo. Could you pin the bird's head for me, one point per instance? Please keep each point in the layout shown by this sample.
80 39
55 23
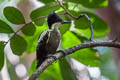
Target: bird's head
54 20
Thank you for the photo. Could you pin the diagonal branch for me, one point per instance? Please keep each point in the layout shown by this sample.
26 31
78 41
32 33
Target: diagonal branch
77 18
59 55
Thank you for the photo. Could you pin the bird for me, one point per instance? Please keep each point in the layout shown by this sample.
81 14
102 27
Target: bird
49 40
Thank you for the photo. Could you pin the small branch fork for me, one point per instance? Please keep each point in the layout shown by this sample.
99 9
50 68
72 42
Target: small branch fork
78 17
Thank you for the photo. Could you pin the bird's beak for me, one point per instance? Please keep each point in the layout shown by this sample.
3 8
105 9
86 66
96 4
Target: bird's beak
66 22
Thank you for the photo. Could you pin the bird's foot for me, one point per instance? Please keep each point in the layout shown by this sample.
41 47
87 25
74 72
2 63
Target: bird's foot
51 56
62 52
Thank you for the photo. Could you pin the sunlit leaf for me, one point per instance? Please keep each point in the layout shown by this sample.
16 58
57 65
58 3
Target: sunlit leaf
14 15
29 29
88 57
5 28
33 67
90 3
70 39
44 11
66 70
39 22
18 44
51 73
79 35
32 40
85 56
2 45
64 28
99 26
81 23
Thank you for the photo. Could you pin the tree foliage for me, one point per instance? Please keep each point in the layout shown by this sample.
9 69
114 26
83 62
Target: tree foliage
28 40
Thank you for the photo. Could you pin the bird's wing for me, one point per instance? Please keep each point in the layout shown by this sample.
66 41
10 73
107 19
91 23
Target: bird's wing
41 51
43 36
43 39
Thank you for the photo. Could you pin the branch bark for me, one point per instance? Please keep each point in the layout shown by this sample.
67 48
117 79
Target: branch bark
59 55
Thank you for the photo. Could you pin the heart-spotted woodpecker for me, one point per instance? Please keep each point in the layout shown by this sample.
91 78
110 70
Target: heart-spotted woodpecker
49 40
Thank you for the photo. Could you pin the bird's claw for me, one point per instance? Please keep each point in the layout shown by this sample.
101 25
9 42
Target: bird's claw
51 56
61 51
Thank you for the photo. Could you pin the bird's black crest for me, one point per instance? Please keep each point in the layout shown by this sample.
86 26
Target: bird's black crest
53 18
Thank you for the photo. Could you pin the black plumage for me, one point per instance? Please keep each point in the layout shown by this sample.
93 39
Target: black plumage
53 18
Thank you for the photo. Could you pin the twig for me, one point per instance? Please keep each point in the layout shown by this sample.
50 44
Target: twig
66 12
24 26
59 55
37 19
78 17
90 24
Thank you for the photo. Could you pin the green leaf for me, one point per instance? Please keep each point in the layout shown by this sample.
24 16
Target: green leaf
5 28
14 15
18 44
32 40
99 26
46 1
40 22
29 29
51 73
90 3
2 45
85 56
64 28
70 40
66 70
44 11
33 67
88 57
81 37
81 23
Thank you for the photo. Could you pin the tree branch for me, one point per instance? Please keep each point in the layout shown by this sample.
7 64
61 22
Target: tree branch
59 55
63 53
77 18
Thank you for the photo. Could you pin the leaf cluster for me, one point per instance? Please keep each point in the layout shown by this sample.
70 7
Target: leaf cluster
70 37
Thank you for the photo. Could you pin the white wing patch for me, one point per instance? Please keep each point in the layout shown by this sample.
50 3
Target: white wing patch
48 37
42 35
